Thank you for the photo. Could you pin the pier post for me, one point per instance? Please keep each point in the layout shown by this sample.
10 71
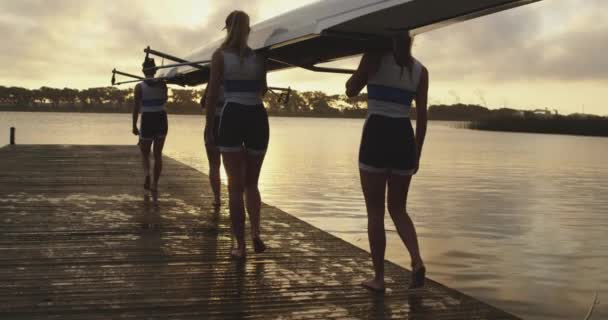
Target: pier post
12 135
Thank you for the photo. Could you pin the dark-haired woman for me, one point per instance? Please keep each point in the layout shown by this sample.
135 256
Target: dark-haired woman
389 154
151 100
243 128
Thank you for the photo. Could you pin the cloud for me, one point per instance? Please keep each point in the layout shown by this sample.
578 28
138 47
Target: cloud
542 41
76 43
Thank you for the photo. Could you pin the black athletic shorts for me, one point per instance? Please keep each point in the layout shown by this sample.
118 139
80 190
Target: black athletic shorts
243 127
388 146
154 125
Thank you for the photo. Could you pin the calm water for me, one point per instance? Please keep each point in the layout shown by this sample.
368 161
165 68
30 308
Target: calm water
517 220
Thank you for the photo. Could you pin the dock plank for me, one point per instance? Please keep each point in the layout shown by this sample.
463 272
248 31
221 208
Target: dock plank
79 239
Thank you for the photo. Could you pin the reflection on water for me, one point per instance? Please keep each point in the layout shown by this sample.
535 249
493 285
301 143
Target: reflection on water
518 220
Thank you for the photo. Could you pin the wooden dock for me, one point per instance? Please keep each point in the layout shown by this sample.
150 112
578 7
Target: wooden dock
79 239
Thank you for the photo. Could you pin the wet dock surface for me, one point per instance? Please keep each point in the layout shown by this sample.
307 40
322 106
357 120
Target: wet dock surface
79 239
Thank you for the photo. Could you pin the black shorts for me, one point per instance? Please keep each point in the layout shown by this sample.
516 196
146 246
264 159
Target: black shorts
154 125
388 146
243 127
216 132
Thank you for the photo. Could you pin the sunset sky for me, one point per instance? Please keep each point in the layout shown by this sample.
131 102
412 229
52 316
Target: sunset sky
549 54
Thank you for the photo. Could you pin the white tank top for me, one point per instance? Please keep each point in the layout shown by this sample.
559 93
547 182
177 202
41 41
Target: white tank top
391 92
243 82
153 98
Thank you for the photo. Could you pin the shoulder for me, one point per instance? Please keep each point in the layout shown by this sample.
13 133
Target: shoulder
218 55
261 57
373 55
423 81
421 65
424 72
371 61
137 91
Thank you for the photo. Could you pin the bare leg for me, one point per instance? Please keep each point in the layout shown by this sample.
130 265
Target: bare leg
253 198
374 190
215 161
234 163
145 146
159 144
398 187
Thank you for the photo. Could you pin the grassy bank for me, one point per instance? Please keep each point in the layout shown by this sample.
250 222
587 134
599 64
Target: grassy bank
570 125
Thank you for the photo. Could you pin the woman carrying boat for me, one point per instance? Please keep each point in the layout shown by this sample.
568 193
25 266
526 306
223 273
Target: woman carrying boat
151 100
389 154
213 153
243 128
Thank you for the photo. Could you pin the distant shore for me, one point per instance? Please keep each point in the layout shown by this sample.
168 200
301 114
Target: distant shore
303 104
497 120
594 126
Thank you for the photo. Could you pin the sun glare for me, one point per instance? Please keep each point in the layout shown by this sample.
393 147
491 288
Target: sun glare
192 13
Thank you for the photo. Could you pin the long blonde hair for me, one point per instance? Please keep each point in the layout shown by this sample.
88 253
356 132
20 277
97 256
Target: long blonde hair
237 24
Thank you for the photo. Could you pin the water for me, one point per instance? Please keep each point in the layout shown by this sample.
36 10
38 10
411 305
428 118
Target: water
517 220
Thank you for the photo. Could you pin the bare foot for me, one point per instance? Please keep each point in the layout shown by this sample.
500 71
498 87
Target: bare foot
258 245
217 203
418 276
237 253
147 183
374 285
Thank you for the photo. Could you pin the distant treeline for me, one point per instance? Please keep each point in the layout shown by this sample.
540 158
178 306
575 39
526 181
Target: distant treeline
585 125
181 101
186 101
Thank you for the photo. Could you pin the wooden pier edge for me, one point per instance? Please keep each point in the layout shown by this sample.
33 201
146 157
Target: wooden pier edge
80 238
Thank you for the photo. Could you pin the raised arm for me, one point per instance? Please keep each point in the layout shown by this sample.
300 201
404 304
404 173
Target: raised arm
166 90
367 68
136 108
204 99
213 91
421 110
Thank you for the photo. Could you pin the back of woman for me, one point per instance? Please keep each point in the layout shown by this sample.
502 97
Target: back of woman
243 125
388 140
392 89
243 77
390 152
243 122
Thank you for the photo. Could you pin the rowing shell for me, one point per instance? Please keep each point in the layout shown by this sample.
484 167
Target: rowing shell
329 30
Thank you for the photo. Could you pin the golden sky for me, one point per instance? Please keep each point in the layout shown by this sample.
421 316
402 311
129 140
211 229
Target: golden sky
549 54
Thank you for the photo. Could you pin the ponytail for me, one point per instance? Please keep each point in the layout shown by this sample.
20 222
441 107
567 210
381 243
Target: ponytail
402 50
237 23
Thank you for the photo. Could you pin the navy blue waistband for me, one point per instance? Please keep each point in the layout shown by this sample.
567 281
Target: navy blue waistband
153 102
242 85
390 94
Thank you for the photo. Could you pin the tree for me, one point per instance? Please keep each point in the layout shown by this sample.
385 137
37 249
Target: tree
51 95
68 96
317 101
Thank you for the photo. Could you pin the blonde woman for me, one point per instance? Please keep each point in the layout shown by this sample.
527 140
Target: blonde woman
243 128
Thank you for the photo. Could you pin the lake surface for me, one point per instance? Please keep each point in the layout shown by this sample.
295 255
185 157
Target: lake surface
516 220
